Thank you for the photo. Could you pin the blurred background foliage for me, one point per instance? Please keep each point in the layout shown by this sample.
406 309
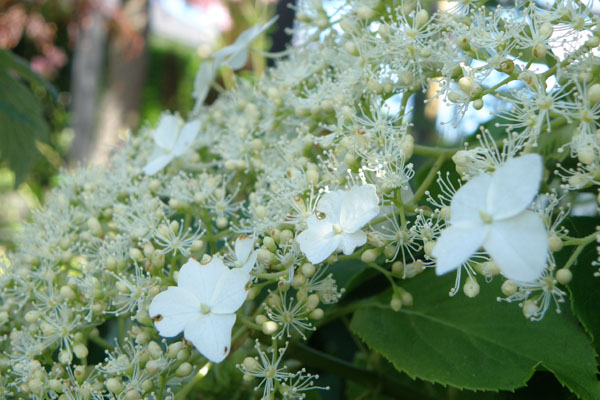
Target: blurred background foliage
77 75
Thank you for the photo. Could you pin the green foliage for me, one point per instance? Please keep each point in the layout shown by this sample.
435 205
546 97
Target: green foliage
478 343
21 117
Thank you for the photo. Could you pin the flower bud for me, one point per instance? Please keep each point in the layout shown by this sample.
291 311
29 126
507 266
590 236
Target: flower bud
80 350
471 287
396 303
133 395
407 299
113 385
555 243
370 255
260 319
269 327
264 256
564 276
308 269
251 364
509 288
316 314
184 369
312 301
530 308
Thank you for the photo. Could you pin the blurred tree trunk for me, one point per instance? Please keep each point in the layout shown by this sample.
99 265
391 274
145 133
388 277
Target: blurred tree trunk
127 61
88 60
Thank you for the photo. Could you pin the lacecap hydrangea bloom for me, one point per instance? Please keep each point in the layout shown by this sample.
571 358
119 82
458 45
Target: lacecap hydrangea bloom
491 211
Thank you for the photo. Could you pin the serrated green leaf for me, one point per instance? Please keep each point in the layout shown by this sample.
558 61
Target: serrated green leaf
477 344
21 123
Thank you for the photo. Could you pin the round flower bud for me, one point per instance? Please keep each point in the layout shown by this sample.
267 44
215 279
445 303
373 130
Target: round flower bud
147 385
55 385
136 254
222 222
312 301
94 226
351 48
384 31
466 84
154 366
490 268
564 276
555 243
183 354
80 350
269 327
407 299
264 256
174 349
370 255
478 104
408 146
286 236
133 395
586 155
397 268
471 287
260 211
251 364
396 303
545 30
422 17
539 50
316 314
298 281
308 269
389 252
65 356
184 369
428 248
445 213
155 349
509 288
35 385
32 316
113 385
67 293
365 12
260 319
593 93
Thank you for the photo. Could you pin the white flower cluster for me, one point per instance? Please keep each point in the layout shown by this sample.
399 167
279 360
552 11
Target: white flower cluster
224 226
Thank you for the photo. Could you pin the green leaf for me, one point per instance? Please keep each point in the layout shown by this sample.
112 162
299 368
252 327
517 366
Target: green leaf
16 64
477 344
584 289
21 122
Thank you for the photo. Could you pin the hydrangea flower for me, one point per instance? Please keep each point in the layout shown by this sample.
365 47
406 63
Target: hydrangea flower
202 305
171 141
340 216
490 211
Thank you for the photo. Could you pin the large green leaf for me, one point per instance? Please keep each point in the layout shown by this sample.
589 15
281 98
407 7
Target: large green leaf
584 289
21 123
477 343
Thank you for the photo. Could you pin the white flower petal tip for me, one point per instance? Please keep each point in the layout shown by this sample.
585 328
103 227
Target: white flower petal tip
491 211
338 228
202 306
171 141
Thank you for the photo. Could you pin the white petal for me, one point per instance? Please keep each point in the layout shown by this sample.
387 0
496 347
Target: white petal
243 247
204 77
176 307
351 241
201 279
470 199
211 335
519 245
456 245
157 163
250 262
514 185
186 137
359 207
238 59
165 133
330 204
318 241
230 292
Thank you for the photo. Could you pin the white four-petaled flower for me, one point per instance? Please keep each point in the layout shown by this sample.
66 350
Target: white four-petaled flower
172 140
490 211
341 215
202 305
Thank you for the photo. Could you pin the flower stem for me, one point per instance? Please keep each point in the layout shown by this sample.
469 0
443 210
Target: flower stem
427 182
